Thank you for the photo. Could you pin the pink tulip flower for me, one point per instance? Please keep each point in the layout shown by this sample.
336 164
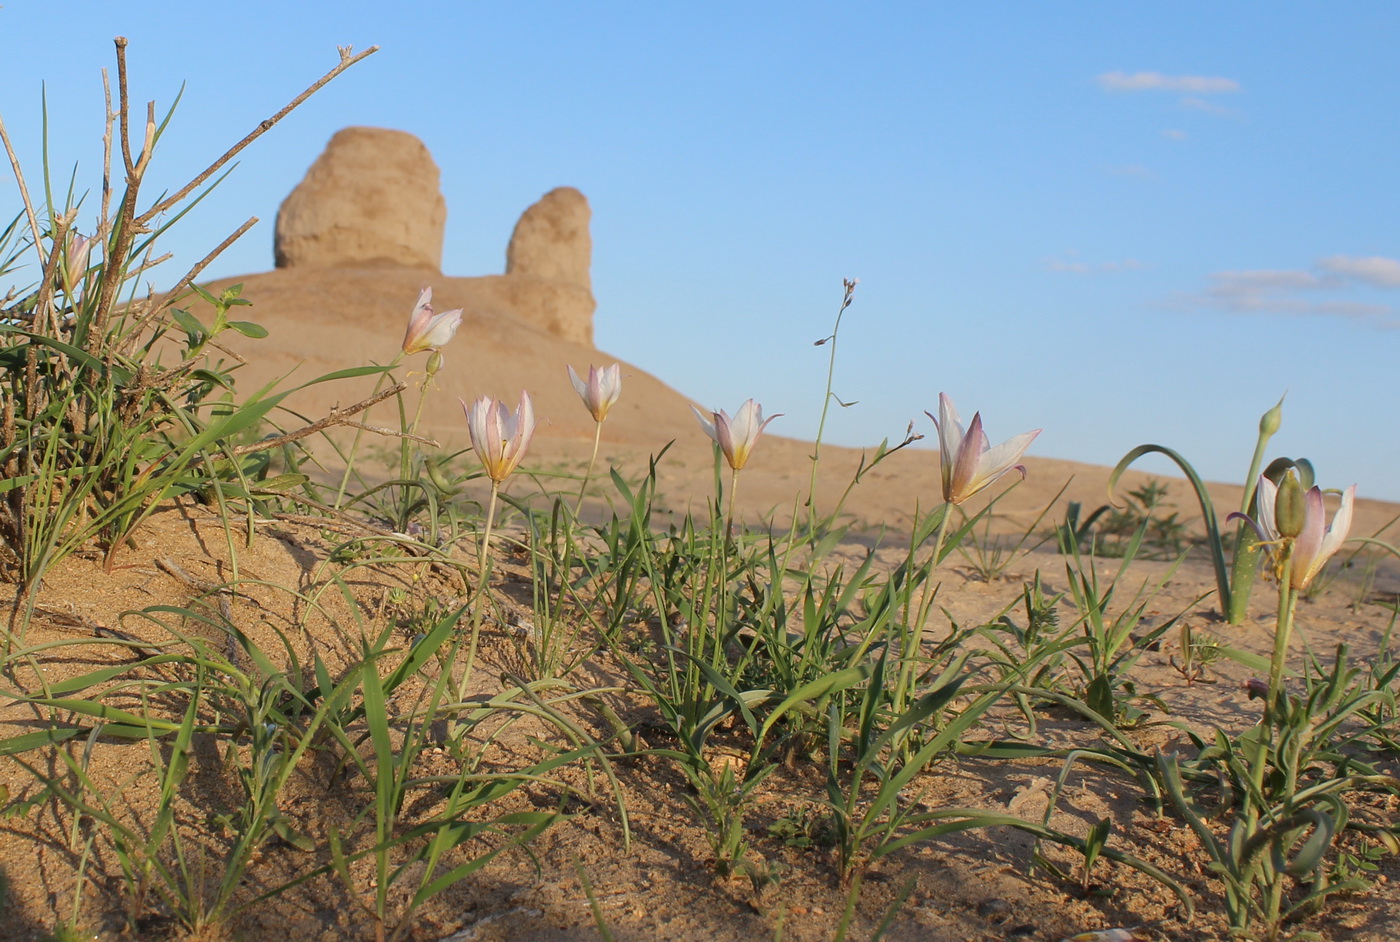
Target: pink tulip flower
600 391
1316 542
429 331
76 260
967 460
500 437
735 436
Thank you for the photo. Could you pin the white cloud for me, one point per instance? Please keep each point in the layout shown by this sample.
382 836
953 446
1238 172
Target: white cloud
1156 81
1250 287
1374 270
1209 107
1296 291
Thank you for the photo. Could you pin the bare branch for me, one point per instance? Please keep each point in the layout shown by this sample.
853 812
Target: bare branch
43 301
104 221
173 294
122 108
346 61
336 417
23 192
394 433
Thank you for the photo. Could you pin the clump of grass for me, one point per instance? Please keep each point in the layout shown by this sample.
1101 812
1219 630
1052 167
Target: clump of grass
114 403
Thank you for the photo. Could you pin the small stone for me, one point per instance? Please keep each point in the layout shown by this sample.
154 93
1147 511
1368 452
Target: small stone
994 910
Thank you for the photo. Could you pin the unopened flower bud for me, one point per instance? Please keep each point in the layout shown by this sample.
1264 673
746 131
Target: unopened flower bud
1270 421
1290 511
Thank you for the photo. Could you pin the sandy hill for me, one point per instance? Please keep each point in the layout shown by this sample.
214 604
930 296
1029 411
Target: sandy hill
362 234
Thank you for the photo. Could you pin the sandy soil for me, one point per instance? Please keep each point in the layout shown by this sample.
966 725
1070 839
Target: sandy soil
659 884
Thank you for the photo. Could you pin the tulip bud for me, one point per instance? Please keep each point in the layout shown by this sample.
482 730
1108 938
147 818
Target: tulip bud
1290 512
1270 421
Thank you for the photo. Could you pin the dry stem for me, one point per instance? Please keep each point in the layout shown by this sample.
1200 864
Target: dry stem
346 61
337 417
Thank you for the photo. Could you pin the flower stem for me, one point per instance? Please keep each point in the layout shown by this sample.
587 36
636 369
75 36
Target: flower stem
587 475
1287 604
942 533
480 600
359 432
485 551
406 447
729 515
826 405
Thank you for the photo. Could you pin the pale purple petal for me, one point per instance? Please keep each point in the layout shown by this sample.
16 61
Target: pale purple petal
1265 497
707 422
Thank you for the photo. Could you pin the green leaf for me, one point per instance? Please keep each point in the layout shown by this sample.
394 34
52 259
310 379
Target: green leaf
248 328
188 323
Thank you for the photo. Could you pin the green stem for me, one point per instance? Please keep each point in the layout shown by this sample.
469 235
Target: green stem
359 432
484 553
729 515
407 443
406 446
1287 603
480 600
942 533
1255 801
587 475
826 407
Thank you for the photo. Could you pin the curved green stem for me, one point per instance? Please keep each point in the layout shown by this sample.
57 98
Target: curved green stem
359 433
826 406
942 533
1287 604
480 600
587 475
729 514
484 553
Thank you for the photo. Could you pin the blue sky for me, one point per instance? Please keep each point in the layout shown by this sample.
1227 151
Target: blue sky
1117 222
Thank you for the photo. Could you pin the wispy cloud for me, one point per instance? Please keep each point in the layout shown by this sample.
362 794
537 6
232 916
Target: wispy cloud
1071 263
1374 270
1209 107
1132 170
1174 134
1303 292
1157 81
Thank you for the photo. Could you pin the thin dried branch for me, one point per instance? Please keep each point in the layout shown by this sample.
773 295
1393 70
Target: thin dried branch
104 221
336 417
122 107
346 61
134 335
227 352
43 300
127 227
23 192
394 433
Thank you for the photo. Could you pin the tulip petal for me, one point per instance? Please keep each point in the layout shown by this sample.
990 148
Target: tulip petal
1267 496
706 422
580 386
